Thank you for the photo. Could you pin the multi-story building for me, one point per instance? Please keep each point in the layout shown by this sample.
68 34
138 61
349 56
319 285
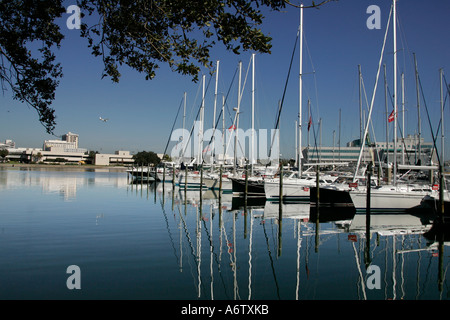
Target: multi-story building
64 150
409 152
68 143
7 144
71 138
68 149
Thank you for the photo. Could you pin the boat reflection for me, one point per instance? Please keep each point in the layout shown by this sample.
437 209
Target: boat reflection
235 242
211 245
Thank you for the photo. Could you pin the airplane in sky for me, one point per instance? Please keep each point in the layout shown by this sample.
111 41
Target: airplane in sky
104 120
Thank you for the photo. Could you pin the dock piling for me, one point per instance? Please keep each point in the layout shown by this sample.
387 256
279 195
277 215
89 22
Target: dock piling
164 173
281 185
246 184
185 181
441 193
367 251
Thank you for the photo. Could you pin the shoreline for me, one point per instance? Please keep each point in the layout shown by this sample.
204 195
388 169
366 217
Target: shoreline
82 167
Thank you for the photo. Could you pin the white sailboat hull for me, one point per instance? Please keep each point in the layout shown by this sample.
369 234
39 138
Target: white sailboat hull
390 198
192 181
293 190
213 183
164 177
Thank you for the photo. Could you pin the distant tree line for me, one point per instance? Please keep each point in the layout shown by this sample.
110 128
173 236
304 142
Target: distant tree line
3 154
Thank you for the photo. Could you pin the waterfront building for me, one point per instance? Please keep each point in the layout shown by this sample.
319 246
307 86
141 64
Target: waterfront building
68 143
71 138
410 151
8 144
118 158
337 154
64 150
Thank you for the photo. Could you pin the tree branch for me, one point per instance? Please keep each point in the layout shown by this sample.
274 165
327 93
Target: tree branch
313 4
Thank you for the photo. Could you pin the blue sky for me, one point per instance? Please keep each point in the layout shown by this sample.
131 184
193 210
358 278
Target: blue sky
337 40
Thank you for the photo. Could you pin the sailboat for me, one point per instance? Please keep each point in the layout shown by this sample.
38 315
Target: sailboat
392 198
246 181
252 185
296 186
396 197
212 181
193 179
443 199
165 171
220 180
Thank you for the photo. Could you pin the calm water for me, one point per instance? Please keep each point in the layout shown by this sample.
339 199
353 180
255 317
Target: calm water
150 242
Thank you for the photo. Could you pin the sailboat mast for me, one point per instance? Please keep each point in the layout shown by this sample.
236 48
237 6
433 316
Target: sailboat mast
214 114
387 115
419 126
184 126
252 149
309 119
372 101
202 115
339 142
403 118
394 22
300 85
237 118
296 142
223 131
360 106
184 111
441 160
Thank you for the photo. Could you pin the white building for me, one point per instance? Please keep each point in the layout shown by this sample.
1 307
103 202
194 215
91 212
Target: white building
64 150
7 144
71 138
119 157
409 151
68 143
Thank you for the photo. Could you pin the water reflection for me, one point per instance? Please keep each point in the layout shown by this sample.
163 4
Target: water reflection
406 247
62 182
186 244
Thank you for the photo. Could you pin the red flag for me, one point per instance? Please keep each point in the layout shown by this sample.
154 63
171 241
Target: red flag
233 127
207 148
309 123
391 116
